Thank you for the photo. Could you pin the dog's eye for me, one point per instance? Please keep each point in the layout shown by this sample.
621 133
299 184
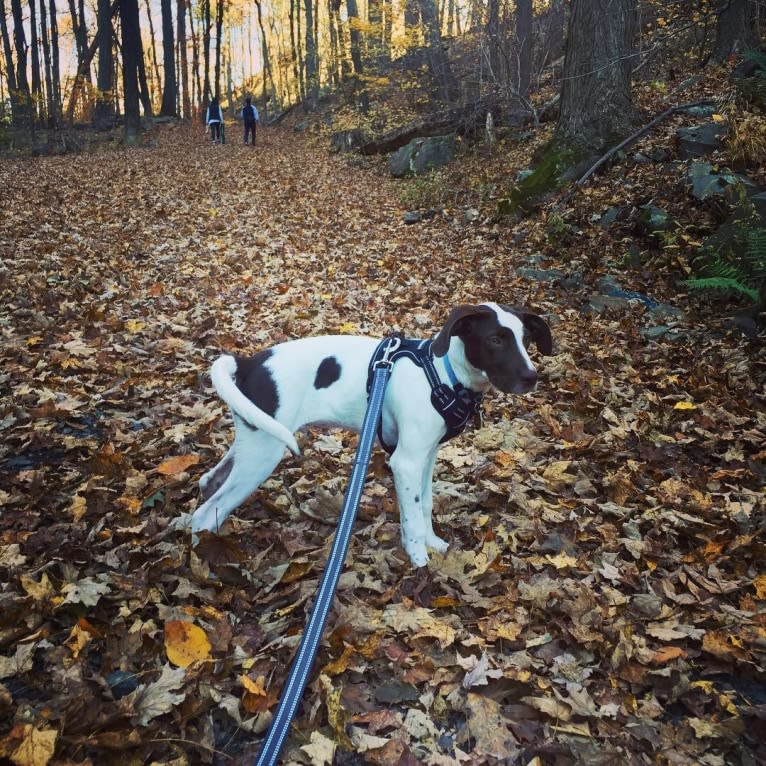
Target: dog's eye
496 340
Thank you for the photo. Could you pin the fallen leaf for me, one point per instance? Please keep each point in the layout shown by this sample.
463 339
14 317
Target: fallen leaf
186 643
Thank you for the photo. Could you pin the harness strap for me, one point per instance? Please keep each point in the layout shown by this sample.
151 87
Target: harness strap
455 403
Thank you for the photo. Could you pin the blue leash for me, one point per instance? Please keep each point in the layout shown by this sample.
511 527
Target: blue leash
304 659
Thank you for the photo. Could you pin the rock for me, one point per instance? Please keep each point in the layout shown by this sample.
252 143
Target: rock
542 275
655 220
700 140
412 216
705 182
422 155
609 217
601 303
346 140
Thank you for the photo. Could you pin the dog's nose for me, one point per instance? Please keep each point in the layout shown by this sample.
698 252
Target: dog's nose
529 379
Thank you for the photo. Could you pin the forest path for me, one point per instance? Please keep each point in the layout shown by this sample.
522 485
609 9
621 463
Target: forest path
599 602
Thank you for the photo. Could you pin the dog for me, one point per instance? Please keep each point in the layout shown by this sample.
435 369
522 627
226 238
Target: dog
323 380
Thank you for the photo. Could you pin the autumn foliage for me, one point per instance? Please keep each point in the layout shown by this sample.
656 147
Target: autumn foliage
604 596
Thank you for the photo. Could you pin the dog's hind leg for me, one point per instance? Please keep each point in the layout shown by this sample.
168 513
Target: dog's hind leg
213 480
249 462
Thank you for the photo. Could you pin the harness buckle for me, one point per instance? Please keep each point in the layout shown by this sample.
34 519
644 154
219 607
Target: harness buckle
391 346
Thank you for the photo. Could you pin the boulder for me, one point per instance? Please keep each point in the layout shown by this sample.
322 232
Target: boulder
700 140
346 140
422 155
704 181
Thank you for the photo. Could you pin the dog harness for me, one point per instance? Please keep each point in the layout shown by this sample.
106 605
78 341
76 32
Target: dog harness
455 403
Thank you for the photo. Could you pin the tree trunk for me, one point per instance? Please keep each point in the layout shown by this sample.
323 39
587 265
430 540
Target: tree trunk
206 27
494 43
374 32
312 65
80 31
55 60
104 113
170 88
143 86
183 63
131 53
437 58
8 53
269 75
523 61
356 48
50 110
24 99
154 68
198 97
596 105
734 32
37 85
219 8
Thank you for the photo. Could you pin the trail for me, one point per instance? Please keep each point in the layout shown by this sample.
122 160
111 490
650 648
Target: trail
603 595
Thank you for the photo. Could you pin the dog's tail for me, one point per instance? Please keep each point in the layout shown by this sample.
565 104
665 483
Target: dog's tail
222 373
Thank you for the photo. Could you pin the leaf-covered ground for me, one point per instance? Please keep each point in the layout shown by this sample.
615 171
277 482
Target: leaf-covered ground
604 596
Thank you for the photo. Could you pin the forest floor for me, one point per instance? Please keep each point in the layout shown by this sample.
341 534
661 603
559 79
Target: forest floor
603 599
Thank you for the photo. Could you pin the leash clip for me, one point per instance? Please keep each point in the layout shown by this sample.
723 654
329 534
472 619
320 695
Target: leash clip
390 348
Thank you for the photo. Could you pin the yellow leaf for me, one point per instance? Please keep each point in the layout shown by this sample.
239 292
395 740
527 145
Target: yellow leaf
78 507
254 687
134 325
178 464
685 406
185 643
40 591
348 328
760 586
718 118
562 561
36 748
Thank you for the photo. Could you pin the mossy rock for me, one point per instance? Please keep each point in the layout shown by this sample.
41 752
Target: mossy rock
547 176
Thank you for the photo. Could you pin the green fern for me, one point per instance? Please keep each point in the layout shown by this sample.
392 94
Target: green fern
724 284
739 268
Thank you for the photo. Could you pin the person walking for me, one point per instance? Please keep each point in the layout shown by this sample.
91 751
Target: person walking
251 117
214 120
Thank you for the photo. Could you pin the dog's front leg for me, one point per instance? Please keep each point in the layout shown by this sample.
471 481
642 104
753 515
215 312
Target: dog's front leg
427 483
410 467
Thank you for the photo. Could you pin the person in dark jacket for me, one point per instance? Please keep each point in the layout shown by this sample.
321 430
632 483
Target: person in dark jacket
250 117
214 120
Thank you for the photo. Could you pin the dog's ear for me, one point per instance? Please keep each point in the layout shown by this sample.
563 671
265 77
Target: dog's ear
538 330
440 343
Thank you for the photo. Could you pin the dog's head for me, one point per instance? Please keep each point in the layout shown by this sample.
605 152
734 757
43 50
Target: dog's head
495 338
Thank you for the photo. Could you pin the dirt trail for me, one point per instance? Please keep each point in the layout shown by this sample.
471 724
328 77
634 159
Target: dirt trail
603 597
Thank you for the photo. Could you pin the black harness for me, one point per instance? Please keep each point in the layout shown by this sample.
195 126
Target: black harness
456 403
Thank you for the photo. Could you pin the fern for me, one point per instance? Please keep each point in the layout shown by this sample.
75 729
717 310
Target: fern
725 284
738 268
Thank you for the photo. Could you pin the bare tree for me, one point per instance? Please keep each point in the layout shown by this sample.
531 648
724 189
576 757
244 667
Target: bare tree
104 112
734 30
131 54
183 64
169 86
437 58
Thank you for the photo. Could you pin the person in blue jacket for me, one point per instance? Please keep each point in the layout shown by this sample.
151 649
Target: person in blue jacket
214 120
251 118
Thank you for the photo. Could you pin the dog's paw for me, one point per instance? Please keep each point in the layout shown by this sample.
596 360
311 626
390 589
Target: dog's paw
417 553
436 543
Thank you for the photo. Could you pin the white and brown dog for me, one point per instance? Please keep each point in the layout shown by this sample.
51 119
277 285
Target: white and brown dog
323 380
